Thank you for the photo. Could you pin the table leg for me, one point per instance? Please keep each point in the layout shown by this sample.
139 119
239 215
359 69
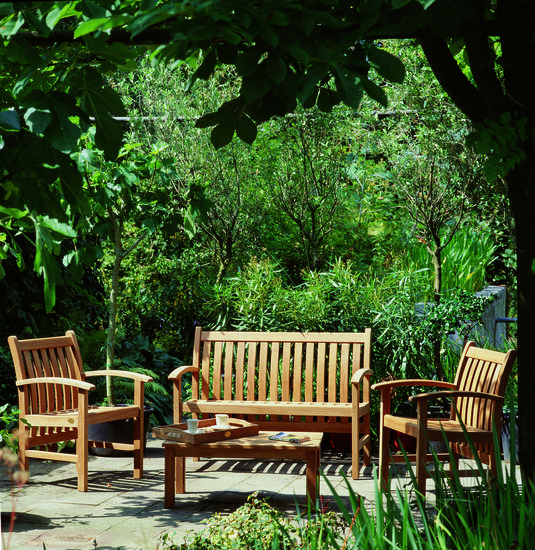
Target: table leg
313 461
180 473
169 479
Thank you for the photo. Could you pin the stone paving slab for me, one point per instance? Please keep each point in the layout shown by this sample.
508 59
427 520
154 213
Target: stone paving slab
119 512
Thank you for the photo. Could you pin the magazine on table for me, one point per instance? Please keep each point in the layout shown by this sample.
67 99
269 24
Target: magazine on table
289 437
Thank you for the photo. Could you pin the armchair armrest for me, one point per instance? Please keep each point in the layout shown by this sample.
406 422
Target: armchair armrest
412 382
80 384
121 373
179 371
455 393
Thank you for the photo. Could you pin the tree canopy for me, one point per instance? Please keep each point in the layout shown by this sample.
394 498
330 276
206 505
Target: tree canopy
58 56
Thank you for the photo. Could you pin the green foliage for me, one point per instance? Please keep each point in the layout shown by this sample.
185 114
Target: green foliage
466 263
135 354
406 329
258 525
343 298
262 298
493 514
9 422
501 144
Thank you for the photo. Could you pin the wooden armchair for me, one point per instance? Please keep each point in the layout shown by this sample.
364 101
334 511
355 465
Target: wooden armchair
53 400
478 394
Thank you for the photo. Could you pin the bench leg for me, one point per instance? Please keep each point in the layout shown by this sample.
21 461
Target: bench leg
355 448
313 461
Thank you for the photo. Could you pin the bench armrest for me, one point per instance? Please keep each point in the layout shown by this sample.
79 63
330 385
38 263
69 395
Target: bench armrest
80 384
179 371
176 377
359 375
120 373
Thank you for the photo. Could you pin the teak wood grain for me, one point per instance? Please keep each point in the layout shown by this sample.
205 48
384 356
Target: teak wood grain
477 396
291 381
54 405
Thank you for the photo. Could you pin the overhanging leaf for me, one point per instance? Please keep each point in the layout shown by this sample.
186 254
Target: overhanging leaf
108 136
37 119
313 75
276 68
386 64
349 87
90 26
375 92
246 129
9 120
223 133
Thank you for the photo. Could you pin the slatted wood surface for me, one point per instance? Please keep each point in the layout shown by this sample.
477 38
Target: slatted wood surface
53 399
477 396
485 371
281 380
279 367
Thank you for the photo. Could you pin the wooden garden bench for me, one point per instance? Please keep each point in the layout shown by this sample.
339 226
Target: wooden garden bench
283 381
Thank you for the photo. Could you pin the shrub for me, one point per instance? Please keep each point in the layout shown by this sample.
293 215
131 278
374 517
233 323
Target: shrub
258 525
465 263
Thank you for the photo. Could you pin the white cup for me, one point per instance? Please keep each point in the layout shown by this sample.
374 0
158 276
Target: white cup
193 425
221 420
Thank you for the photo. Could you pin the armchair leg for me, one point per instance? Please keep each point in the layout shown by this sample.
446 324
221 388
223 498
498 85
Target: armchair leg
367 449
421 471
81 462
138 446
24 461
384 456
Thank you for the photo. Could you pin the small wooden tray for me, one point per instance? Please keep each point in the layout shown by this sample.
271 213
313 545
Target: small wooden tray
207 431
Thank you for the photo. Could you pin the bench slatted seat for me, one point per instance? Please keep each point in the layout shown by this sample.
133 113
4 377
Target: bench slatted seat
283 381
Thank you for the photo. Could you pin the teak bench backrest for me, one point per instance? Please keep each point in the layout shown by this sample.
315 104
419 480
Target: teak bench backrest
56 357
279 366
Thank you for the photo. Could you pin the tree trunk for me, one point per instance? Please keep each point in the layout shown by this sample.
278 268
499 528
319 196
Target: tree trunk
436 258
521 183
110 340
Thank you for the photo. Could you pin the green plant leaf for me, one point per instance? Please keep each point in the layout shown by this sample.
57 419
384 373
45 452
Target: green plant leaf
375 92
37 119
223 133
308 85
386 64
207 120
9 120
276 68
90 26
246 129
62 133
349 86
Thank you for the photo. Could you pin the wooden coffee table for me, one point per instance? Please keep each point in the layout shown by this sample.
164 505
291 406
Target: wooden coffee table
256 446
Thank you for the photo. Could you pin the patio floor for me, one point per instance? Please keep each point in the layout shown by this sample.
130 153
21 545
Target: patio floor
119 512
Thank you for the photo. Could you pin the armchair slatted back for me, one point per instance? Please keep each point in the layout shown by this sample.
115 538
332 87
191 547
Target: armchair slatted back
482 370
56 357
